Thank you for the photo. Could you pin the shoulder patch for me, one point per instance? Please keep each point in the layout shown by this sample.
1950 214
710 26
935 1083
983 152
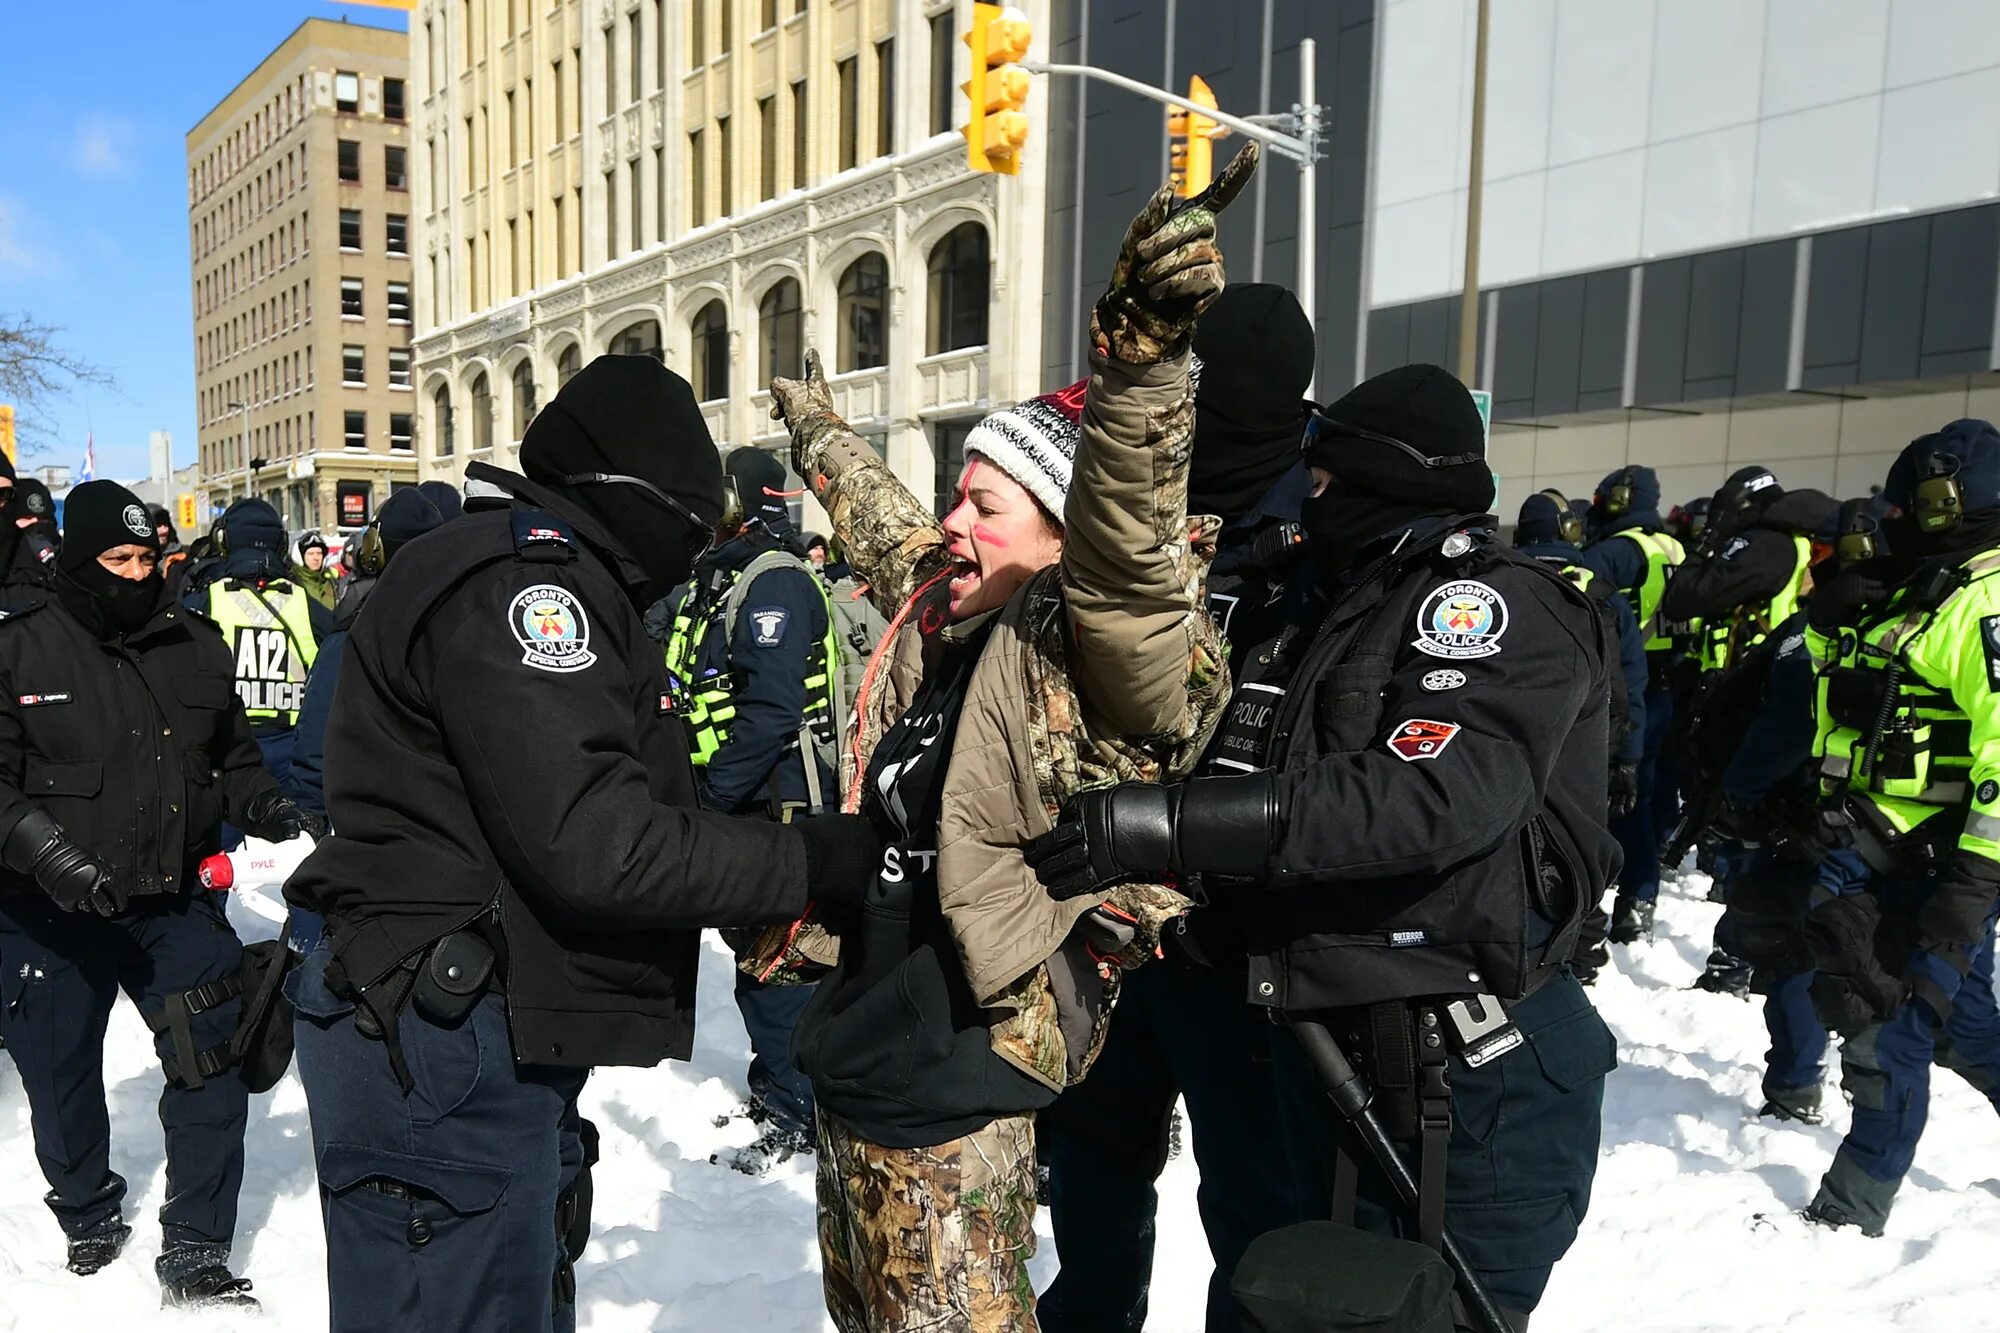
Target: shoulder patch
1445 678
1737 546
767 625
552 629
1421 738
1461 620
540 535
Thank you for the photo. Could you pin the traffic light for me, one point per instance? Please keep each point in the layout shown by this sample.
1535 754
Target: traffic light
1193 134
997 90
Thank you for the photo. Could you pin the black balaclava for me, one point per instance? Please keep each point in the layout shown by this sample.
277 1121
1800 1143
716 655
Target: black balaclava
760 486
444 498
256 539
1377 487
1256 351
162 519
31 500
631 416
98 516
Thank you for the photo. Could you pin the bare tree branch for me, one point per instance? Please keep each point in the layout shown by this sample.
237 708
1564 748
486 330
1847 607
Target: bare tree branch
36 372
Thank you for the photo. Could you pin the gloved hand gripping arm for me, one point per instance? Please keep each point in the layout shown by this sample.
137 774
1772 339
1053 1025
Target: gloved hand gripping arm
1111 835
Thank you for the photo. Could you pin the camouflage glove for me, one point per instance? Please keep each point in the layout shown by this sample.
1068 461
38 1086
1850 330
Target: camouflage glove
806 408
1169 270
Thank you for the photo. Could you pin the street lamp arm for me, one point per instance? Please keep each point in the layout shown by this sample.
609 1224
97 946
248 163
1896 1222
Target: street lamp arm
1289 145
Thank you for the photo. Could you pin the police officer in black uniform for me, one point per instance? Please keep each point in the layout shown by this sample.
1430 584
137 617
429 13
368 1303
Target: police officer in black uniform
28 544
1180 1033
1408 796
122 748
519 871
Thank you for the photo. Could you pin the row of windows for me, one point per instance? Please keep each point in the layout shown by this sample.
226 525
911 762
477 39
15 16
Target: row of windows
958 301
354 367
395 164
269 439
395 231
354 304
269 189
283 312
402 431
290 240
288 374
285 110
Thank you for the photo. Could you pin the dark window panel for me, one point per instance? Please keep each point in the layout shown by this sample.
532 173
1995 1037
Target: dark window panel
1663 325
1513 376
1892 320
1559 346
1388 338
1764 335
1958 295
1433 330
1835 282
1601 369
1715 313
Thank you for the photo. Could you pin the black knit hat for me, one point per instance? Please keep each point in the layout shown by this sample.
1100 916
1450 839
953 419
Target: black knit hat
252 524
1540 520
1255 348
98 516
1413 434
760 486
628 415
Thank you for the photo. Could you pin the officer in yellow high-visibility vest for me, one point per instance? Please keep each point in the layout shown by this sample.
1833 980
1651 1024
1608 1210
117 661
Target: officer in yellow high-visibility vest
1631 550
1900 924
271 625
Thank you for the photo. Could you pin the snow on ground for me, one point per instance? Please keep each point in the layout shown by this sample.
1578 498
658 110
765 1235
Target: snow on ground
1674 1242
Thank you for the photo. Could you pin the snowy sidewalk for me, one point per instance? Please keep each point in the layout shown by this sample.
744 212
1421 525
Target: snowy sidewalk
1671 1244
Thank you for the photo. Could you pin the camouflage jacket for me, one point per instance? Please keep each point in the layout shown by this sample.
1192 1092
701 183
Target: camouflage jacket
1105 668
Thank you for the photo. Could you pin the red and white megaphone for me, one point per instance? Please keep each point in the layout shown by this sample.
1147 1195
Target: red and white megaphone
256 873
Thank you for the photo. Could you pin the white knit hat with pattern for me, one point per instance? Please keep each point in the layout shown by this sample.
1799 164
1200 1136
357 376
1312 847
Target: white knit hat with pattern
1034 442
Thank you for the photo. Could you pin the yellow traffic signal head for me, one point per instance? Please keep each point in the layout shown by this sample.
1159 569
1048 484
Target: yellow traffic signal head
1191 154
997 90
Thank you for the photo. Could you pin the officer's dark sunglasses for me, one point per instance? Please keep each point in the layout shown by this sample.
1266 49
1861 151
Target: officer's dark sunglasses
700 535
1319 425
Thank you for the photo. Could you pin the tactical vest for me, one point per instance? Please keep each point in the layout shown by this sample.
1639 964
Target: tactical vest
1720 641
1887 731
269 632
707 703
1663 555
1481 930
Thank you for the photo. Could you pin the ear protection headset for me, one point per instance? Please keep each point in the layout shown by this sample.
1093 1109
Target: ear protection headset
1617 497
1939 502
371 555
1857 540
1568 525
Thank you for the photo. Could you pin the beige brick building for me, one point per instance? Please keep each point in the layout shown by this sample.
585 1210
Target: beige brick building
722 183
300 235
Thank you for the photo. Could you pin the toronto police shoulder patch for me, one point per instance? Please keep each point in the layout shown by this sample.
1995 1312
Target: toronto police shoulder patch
550 625
1463 619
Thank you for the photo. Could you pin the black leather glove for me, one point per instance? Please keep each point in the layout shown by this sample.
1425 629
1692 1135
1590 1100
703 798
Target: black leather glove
1841 599
843 857
1112 835
74 878
1624 789
272 816
1840 940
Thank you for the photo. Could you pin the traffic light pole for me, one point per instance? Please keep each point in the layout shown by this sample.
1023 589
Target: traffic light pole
1298 140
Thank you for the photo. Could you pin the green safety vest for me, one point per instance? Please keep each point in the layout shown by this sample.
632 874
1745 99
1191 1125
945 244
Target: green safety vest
270 635
1908 716
1720 642
708 705
1663 556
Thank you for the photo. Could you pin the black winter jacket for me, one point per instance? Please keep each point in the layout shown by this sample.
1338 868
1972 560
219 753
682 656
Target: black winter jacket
502 743
138 747
1440 741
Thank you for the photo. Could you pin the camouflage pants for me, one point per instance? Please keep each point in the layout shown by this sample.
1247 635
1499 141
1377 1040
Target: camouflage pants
931 1239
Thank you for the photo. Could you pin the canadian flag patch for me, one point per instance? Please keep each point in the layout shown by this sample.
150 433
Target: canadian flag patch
1420 738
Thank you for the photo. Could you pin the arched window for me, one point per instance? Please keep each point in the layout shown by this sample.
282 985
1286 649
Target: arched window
710 331
441 404
641 339
958 274
567 365
482 414
864 314
781 330
524 397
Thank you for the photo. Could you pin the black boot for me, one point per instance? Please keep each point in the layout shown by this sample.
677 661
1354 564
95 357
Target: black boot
774 1146
1631 921
1725 974
214 1286
1797 1104
1587 965
1824 1212
100 1249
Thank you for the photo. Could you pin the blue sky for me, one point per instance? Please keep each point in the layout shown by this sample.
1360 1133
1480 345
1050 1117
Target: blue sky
99 96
